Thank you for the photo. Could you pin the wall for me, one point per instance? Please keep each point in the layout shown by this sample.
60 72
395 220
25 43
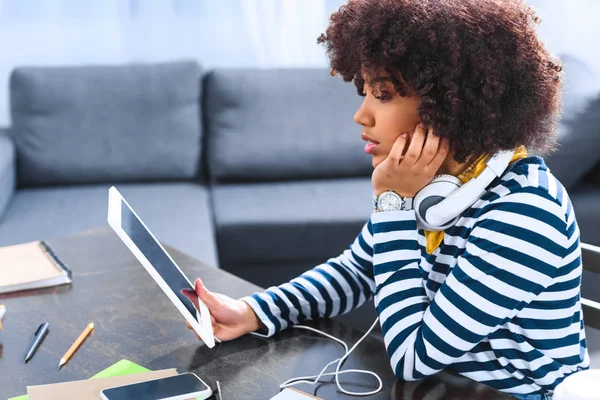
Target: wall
226 33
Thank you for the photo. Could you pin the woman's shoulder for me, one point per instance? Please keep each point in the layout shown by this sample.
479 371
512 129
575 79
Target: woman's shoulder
529 188
528 207
531 175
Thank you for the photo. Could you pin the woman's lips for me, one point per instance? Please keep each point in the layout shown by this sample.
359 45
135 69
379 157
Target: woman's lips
371 145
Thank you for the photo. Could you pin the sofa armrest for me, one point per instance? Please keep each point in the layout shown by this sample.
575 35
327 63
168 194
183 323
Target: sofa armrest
7 171
591 276
593 176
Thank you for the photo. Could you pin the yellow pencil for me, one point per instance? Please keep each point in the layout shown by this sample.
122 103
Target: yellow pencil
88 329
2 312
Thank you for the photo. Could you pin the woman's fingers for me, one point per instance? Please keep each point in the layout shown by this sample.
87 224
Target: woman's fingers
215 327
191 296
416 145
440 157
192 329
398 149
430 149
209 298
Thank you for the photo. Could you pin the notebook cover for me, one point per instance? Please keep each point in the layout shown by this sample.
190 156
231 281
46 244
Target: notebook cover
46 248
89 389
123 367
30 266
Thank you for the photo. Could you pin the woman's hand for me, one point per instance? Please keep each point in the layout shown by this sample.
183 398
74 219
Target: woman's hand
230 318
408 173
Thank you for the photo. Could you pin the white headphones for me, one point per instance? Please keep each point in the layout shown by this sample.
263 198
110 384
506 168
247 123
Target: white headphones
439 204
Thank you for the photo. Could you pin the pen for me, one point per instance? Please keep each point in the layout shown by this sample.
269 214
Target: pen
38 336
215 390
88 329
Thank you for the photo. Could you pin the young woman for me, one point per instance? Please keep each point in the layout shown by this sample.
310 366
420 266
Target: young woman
496 295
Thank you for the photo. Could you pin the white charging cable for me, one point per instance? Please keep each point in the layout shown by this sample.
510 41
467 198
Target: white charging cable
339 361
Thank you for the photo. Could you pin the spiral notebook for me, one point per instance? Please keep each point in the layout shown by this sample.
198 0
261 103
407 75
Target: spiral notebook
31 265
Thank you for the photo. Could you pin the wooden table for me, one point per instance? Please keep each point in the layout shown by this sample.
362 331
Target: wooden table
134 320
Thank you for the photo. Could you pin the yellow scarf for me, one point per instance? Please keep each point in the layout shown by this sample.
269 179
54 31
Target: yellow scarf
434 239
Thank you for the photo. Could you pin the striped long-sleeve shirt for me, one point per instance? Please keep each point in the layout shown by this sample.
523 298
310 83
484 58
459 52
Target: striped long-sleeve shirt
498 301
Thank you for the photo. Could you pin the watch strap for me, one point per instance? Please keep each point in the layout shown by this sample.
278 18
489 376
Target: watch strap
408 203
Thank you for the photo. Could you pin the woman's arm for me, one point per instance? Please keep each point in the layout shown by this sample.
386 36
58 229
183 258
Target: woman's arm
511 256
333 288
346 282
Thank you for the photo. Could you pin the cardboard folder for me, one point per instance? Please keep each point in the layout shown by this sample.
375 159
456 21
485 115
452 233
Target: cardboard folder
89 389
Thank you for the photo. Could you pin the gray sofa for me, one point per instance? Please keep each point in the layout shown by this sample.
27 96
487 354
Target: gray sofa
260 172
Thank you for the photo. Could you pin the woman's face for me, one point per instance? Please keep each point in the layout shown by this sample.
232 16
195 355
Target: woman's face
384 116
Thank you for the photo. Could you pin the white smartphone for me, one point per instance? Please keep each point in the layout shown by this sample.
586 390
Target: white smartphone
178 387
159 264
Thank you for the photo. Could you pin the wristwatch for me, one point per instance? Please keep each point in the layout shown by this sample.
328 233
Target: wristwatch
391 201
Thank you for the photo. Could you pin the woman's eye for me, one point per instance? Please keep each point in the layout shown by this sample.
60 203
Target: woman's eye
383 97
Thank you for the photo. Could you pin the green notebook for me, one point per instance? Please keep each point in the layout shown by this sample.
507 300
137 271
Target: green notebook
123 367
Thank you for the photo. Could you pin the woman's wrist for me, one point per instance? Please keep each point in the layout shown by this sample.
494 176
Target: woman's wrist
401 193
254 322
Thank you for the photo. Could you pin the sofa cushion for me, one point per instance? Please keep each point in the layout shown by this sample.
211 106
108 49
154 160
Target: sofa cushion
311 220
281 124
579 129
177 213
7 171
106 123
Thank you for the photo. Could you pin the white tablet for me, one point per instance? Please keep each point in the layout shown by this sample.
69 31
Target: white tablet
159 264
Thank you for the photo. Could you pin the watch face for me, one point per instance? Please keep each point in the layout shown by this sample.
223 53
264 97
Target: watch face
390 202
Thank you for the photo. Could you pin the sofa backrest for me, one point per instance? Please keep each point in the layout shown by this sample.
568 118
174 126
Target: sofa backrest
106 123
281 124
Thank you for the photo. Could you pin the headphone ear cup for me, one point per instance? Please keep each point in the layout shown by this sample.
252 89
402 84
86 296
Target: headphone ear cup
434 193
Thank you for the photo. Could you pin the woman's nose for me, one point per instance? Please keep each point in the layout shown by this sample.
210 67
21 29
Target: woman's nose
363 116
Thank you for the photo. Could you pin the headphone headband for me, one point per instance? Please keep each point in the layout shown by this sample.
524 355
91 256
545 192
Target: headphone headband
442 213
499 162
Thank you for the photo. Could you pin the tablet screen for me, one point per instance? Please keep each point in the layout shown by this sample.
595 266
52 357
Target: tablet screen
144 241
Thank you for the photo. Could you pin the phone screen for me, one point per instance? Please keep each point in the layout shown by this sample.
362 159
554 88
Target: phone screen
158 389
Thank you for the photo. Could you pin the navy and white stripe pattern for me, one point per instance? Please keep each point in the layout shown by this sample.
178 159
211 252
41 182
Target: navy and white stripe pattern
498 301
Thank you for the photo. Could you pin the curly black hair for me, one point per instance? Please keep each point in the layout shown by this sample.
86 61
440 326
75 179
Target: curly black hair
484 78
